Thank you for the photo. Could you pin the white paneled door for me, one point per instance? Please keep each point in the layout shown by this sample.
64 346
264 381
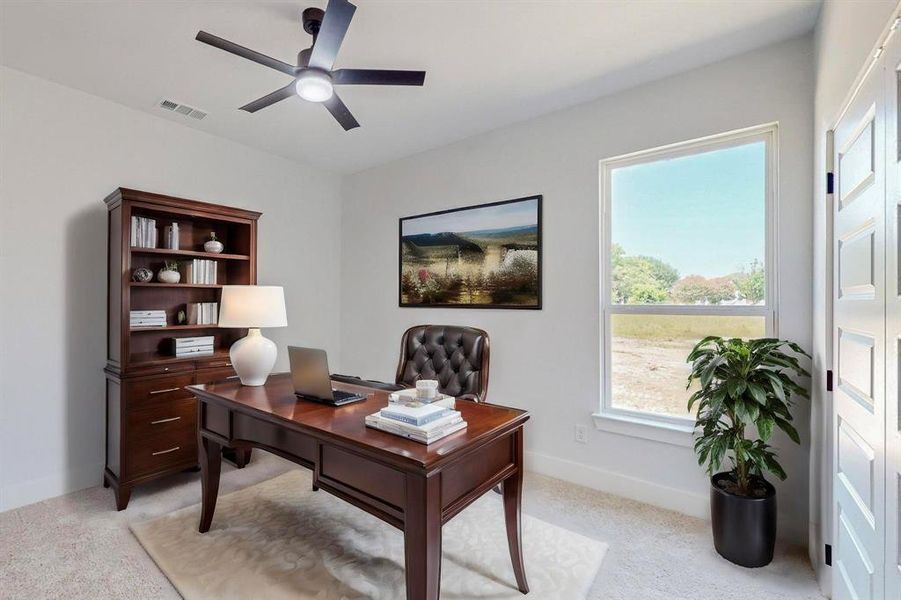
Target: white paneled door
867 338
892 87
859 347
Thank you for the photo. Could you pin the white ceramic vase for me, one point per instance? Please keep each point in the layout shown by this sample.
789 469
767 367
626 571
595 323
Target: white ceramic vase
253 357
213 246
167 276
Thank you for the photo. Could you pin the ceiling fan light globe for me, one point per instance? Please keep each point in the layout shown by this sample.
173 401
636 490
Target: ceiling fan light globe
314 86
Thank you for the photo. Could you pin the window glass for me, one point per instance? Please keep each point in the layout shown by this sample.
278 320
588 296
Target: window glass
690 230
649 371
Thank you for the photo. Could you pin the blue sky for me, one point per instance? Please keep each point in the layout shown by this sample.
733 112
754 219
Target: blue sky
490 217
704 214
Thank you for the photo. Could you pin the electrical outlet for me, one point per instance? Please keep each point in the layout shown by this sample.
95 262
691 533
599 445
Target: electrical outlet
582 434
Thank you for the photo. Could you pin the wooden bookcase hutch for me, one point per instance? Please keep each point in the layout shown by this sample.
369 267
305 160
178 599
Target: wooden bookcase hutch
151 420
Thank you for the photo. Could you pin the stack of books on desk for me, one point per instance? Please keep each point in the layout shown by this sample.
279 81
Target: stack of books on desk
201 345
147 318
423 421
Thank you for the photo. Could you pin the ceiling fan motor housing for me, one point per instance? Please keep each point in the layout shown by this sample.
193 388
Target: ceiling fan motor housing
312 20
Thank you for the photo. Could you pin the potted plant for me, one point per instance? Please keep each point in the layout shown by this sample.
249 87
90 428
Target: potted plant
745 385
169 273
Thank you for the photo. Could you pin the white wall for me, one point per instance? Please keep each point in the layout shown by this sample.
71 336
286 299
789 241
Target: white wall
845 37
548 361
61 152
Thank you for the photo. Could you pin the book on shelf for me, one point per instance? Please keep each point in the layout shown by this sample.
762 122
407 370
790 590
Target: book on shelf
434 432
148 323
200 271
143 232
194 341
202 313
194 351
147 318
201 345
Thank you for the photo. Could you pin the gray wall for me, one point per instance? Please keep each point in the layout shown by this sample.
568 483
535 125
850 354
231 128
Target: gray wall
548 361
62 152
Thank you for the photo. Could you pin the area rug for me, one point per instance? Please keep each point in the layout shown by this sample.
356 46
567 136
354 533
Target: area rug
279 539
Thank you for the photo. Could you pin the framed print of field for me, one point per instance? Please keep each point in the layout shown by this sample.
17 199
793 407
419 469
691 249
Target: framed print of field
484 256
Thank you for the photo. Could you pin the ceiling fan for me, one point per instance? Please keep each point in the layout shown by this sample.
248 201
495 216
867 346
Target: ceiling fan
314 79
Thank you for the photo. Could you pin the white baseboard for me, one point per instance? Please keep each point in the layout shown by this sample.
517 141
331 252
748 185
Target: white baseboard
688 503
51 486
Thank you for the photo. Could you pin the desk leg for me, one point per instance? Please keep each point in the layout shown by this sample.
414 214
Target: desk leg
210 465
422 537
512 508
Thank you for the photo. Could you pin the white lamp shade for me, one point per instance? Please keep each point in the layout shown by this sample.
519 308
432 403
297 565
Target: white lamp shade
252 306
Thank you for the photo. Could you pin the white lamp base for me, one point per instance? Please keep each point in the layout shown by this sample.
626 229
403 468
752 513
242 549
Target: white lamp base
253 357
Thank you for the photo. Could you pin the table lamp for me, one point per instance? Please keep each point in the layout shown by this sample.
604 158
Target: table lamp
253 307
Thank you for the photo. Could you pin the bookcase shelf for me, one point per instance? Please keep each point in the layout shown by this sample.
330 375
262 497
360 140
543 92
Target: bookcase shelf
173 328
151 428
187 253
153 284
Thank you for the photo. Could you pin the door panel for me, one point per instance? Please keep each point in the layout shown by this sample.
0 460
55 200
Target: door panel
892 58
859 340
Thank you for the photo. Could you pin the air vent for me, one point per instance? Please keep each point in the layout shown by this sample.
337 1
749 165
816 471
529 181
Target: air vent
182 109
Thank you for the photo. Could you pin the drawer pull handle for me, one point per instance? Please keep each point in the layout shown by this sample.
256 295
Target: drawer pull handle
228 364
175 389
170 419
166 451
232 376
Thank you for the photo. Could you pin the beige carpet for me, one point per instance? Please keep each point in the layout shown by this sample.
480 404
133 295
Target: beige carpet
278 539
78 547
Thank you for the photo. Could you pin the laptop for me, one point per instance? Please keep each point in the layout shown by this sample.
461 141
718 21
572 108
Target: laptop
310 374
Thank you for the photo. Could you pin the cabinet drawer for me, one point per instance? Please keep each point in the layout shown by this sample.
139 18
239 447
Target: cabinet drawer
164 419
211 375
157 390
214 363
161 452
362 475
162 369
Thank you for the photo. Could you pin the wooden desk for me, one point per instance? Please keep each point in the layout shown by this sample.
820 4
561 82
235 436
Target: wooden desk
416 488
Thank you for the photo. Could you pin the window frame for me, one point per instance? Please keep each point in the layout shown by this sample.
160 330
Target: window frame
658 426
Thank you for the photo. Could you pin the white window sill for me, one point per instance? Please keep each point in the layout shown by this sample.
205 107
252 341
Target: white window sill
649 428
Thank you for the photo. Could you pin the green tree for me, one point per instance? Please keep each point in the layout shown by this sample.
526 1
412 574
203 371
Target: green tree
696 289
640 279
751 283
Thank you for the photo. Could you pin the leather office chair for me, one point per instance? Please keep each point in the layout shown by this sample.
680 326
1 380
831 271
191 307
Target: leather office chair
456 356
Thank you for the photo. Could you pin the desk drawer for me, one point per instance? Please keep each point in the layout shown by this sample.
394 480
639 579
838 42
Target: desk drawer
164 419
353 471
146 393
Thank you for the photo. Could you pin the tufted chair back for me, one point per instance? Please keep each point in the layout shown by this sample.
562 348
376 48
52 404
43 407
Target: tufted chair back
456 356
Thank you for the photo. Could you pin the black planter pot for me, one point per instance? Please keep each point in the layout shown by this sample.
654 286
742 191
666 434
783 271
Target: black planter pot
744 529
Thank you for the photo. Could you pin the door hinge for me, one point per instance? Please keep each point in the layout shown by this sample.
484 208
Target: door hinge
830 183
828 555
829 380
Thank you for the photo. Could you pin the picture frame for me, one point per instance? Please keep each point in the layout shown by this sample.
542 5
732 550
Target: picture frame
479 256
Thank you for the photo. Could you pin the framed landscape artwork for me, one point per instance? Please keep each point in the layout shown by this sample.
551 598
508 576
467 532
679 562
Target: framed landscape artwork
485 256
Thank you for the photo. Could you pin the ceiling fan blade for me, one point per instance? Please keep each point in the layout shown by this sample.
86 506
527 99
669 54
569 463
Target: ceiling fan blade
377 77
334 26
270 99
266 61
340 112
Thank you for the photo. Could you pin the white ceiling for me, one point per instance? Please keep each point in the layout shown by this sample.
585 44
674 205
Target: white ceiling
489 63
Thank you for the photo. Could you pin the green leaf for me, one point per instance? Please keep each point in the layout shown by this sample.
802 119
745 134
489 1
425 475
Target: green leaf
757 393
765 427
789 430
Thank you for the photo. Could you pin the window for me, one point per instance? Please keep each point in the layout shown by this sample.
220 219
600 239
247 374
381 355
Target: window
686 252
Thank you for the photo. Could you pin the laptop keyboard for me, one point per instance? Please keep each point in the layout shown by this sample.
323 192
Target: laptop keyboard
340 396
